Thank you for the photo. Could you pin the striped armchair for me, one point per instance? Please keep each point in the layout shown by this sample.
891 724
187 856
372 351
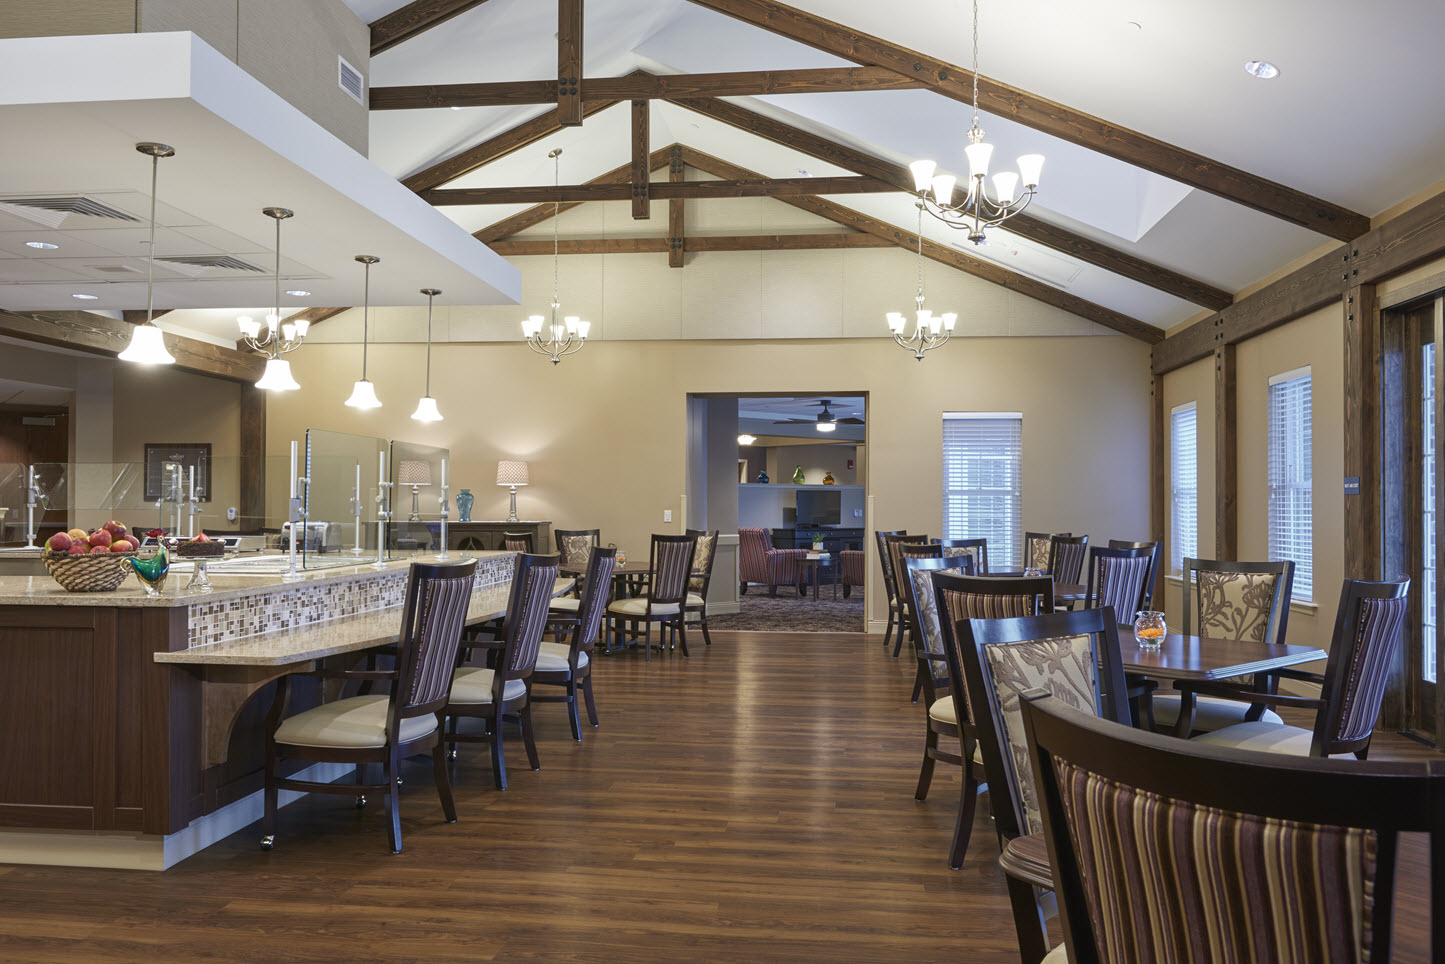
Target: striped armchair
760 563
852 562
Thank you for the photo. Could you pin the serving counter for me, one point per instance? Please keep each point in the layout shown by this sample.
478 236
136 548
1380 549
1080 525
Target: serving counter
132 724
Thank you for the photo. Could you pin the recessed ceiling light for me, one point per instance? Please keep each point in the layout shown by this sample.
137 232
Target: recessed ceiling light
42 245
86 297
803 173
455 108
1262 69
297 293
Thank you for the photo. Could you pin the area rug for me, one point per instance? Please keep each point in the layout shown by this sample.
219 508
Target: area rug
789 613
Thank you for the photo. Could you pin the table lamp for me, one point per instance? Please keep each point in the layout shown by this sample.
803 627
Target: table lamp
512 474
415 473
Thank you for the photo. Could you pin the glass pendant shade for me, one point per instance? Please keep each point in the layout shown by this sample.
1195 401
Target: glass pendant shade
363 395
1005 186
1031 166
248 325
943 188
827 426
922 174
147 347
426 410
277 377
978 158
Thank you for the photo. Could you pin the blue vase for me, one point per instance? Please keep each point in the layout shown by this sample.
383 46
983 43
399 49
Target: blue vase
464 505
763 477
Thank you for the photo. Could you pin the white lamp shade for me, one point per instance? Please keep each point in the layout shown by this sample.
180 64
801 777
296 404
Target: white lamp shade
147 347
583 327
1031 166
277 377
922 174
288 332
978 158
949 320
248 325
1005 186
896 321
571 321
512 473
302 326
426 410
943 188
413 472
363 395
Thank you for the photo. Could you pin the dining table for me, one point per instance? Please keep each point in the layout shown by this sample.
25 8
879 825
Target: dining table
1181 657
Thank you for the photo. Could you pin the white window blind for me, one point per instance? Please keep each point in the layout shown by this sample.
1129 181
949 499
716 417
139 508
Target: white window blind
1184 486
982 482
1291 513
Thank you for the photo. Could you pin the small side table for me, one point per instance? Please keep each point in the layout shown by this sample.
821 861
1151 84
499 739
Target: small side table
815 561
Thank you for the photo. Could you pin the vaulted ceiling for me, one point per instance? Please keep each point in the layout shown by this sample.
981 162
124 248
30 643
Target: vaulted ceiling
1172 72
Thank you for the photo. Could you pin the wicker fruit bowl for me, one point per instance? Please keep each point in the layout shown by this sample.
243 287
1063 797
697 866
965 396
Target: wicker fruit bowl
88 573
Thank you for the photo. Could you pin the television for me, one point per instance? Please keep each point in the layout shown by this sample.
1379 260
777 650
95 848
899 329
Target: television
819 509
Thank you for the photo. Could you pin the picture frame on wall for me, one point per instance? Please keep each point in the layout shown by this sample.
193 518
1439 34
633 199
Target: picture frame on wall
188 455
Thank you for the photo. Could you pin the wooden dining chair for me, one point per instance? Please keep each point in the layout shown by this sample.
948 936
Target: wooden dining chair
961 597
671 568
1066 558
927 643
917 550
1229 600
1037 547
518 542
569 665
1167 850
1369 627
1120 578
1158 549
890 584
380 728
701 578
492 694
976 549
1075 656
891 544
574 548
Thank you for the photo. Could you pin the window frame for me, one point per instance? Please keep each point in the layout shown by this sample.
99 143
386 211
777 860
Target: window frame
1175 548
1001 557
1280 465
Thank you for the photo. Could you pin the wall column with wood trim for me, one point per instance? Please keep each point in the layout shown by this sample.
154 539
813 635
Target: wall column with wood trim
1226 455
1363 434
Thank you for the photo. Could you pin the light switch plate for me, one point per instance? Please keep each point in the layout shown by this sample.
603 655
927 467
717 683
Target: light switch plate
857 513
666 515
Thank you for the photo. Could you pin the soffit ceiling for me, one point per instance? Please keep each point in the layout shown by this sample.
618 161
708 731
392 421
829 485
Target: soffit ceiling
1177 76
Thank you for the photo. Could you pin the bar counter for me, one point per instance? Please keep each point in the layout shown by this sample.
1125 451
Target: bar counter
134 723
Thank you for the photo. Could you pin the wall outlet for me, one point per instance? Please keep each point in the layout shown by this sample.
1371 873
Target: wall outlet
231 514
666 515
857 513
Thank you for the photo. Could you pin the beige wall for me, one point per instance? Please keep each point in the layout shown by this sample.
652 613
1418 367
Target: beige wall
605 430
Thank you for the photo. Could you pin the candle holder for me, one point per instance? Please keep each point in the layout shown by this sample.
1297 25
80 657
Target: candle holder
200 580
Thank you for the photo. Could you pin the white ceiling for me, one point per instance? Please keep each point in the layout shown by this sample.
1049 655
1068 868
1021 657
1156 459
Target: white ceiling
1362 142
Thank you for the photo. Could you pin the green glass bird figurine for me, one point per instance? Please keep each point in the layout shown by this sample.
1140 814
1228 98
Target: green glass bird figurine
152 572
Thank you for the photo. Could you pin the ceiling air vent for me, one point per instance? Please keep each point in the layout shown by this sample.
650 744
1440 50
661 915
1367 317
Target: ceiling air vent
200 262
114 268
349 79
51 211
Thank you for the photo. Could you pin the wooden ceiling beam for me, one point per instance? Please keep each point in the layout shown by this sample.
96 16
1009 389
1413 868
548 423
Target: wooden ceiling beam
676 231
943 254
569 63
1024 225
523 135
137 316
641 171
747 242
99 335
1052 118
415 18
644 86
661 190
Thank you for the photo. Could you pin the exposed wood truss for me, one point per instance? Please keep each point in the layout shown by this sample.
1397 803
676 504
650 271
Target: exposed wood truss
676 230
686 190
1052 118
569 62
100 335
640 177
413 19
747 242
644 86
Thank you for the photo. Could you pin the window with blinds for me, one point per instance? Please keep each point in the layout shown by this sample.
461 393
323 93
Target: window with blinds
1291 513
1184 486
983 484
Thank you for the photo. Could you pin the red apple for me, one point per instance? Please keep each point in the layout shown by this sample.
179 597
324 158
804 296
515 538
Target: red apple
100 538
97 550
76 549
60 542
129 543
116 529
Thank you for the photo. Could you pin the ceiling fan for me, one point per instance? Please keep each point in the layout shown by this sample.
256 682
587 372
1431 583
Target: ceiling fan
824 421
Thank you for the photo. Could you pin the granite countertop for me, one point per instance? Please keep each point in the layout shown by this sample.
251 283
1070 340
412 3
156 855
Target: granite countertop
349 634
45 591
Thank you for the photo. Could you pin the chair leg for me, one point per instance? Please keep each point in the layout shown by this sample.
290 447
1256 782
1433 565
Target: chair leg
917 682
444 781
528 739
587 695
681 633
1028 921
898 643
268 821
888 632
772 590
964 827
925 772
499 761
742 589
572 717
647 643
706 636
393 802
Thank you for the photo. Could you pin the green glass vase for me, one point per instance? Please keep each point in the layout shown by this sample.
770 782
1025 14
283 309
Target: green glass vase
798 475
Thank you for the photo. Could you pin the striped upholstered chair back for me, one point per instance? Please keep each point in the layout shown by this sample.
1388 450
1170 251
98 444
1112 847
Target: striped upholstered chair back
433 617
753 546
1238 600
1157 548
895 566
885 561
1369 628
1066 558
671 568
532 588
1073 655
1120 578
851 561
1036 549
518 542
1164 850
596 596
917 550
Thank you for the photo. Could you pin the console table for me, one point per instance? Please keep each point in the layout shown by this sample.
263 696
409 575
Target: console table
488 535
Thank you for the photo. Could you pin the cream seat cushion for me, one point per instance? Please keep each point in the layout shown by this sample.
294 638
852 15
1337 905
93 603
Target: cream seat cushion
569 604
355 722
1059 955
472 685
943 711
1265 737
552 658
637 606
1210 712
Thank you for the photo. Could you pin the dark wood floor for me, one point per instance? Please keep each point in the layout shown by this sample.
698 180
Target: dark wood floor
753 803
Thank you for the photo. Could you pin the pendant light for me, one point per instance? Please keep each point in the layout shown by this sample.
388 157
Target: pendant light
147 343
426 409
569 335
363 393
279 339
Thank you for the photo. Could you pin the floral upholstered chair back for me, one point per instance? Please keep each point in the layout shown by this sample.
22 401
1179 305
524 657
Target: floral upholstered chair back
958 597
924 605
1238 600
975 550
702 558
575 546
1036 549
